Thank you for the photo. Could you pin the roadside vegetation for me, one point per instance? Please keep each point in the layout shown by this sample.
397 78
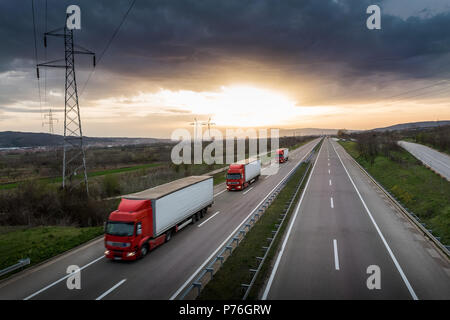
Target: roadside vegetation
437 138
419 189
40 243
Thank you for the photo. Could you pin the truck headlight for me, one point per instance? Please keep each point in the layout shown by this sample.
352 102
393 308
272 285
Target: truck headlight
130 254
106 252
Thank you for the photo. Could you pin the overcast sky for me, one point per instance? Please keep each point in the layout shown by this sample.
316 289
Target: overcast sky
265 63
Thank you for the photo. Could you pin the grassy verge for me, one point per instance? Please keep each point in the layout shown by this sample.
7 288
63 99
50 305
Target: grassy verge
418 188
41 243
226 283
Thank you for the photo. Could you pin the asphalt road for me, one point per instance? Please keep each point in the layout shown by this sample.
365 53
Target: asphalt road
437 161
162 273
341 226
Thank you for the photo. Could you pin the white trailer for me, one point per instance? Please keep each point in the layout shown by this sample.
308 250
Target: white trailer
252 169
176 201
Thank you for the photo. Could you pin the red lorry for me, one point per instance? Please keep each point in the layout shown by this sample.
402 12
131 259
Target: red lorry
283 155
241 174
147 219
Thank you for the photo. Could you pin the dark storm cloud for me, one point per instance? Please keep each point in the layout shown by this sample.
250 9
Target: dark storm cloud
175 43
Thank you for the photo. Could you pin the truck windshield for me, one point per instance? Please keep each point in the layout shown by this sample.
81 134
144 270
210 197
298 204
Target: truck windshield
233 176
117 228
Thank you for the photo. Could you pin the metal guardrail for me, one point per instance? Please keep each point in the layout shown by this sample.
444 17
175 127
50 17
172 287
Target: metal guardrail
288 206
207 273
20 264
410 215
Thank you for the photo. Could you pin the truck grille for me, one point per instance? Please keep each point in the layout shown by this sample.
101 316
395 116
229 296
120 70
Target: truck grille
118 244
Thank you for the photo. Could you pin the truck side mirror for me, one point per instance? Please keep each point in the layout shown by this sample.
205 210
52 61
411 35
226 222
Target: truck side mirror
139 229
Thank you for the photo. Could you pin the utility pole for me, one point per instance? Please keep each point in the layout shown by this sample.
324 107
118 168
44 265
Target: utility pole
74 159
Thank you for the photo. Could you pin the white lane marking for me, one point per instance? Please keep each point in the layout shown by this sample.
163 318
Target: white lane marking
397 265
329 172
220 192
328 164
245 192
336 257
280 254
208 219
331 202
63 278
329 182
110 290
267 176
234 231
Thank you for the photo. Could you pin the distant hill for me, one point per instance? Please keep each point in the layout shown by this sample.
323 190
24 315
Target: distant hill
414 125
310 132
12 139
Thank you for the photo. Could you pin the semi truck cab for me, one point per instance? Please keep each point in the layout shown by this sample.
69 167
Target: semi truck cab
236 177
282 155
129 229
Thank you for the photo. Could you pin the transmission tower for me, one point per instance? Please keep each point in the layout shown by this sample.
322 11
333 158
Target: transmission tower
50 119
74 159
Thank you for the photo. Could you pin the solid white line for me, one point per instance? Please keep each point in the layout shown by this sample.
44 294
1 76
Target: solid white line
176 293
245 192
336 257
109 291
280 254
208 219
329 182
220 192
63 278
332 204
397 265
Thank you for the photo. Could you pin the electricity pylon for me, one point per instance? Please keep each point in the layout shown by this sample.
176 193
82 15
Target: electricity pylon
74 159
49 117
209 124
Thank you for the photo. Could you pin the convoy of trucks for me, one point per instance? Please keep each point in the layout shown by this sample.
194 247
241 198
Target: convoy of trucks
283 155
147 219
241 174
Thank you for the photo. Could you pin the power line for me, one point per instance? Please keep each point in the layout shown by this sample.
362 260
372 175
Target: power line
36 59
116 31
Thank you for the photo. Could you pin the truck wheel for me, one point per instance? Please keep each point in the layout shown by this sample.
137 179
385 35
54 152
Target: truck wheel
194 218
144 250
168 235
202 213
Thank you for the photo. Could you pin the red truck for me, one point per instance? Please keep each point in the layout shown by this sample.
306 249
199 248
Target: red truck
283 155
147 219
241 174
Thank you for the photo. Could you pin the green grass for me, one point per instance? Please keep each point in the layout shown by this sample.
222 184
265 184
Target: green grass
226 283
41 243
90 175
220 177
418 188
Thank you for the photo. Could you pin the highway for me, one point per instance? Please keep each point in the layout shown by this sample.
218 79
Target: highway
437 161
165 271
341 226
